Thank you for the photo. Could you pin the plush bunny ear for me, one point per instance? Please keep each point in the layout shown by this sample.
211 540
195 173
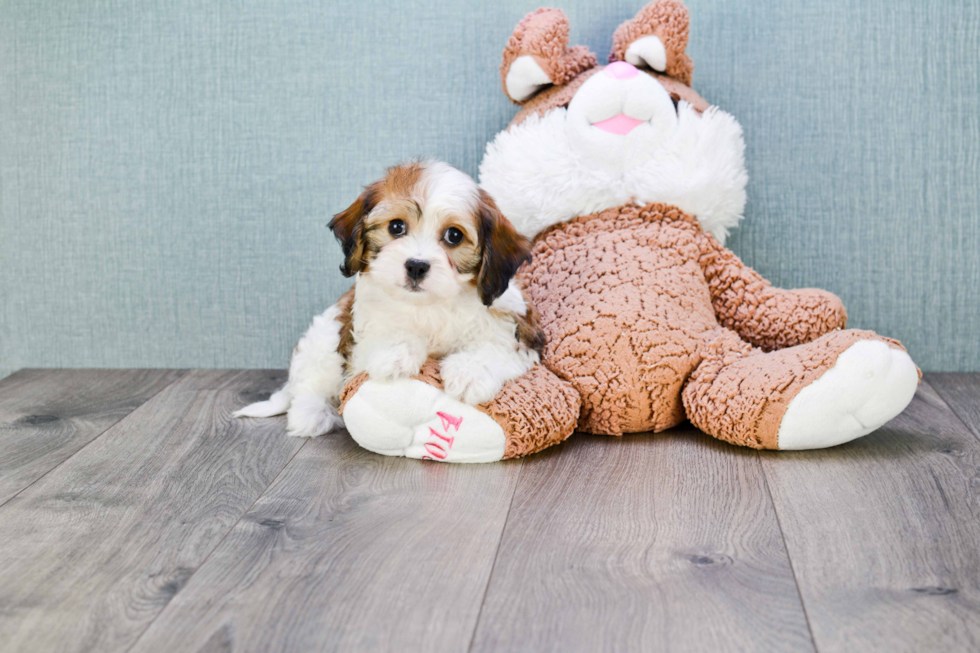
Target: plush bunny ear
656 39
525 78
537 55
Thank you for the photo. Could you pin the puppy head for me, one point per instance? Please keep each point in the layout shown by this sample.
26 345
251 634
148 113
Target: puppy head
426 232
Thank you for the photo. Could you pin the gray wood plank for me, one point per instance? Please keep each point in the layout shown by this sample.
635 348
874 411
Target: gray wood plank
961 392
883 533
348 551
645 543
48 415
93 551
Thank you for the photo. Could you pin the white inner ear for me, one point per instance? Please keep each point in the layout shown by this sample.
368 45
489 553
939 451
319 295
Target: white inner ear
525 77
648 51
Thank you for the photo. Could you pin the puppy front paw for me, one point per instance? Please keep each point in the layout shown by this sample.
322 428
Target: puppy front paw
395 362
468 380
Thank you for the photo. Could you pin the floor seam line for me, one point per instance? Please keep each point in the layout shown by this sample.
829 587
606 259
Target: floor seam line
217 545
789 558
496 554
183 373
951 409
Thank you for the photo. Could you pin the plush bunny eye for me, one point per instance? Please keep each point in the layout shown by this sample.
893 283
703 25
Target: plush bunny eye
453 236
397 228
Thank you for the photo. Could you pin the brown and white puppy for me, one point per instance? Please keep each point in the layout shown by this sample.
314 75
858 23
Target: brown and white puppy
434 261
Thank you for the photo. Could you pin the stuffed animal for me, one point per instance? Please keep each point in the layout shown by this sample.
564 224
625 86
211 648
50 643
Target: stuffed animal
629 181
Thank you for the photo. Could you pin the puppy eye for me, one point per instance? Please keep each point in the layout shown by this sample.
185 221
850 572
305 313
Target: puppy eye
453 236
397 228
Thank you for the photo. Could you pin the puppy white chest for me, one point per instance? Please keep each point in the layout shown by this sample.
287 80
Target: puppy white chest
440 328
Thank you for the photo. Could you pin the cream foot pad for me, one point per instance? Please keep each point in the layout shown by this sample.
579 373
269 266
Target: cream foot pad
868 385
414 419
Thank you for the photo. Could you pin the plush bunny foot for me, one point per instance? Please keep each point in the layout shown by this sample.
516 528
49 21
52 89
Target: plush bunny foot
416 419
839 387
412 418
868 385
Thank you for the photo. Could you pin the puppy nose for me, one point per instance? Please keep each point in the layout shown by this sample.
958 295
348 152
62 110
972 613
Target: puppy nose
416 269
621 70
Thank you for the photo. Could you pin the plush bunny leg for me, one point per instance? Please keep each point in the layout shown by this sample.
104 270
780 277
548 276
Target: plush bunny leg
839 387
416 419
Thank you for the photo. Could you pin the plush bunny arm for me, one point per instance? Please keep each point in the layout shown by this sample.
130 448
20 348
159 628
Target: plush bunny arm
764 316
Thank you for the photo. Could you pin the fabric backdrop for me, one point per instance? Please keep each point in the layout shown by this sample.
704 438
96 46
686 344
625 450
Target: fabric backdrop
167 169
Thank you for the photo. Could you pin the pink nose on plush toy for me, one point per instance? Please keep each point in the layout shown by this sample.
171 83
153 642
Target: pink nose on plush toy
621 70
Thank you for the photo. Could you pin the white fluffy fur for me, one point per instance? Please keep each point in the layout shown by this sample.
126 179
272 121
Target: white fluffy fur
312 393
542 171
479 350
396 329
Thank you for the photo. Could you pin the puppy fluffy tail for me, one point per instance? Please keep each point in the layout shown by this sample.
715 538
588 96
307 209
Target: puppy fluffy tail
277 404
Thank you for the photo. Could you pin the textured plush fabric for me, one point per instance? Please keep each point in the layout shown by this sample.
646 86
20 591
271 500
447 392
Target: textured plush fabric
630 300
167 169
536 411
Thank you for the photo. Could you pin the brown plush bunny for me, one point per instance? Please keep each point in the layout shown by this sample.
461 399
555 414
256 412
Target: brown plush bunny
629 182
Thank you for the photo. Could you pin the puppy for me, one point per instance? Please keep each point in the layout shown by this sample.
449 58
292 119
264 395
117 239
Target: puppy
433 261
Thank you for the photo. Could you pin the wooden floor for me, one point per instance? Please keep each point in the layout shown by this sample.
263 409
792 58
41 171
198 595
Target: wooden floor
136 515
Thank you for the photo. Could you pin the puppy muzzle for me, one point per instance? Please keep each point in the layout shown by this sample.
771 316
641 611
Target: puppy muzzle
416 270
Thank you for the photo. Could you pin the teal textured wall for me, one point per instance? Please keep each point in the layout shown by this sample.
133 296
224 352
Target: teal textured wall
167 170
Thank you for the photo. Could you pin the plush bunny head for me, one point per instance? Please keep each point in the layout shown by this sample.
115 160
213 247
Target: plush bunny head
589 137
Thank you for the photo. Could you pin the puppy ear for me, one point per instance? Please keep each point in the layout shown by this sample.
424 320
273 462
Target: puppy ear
504 250
348 227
